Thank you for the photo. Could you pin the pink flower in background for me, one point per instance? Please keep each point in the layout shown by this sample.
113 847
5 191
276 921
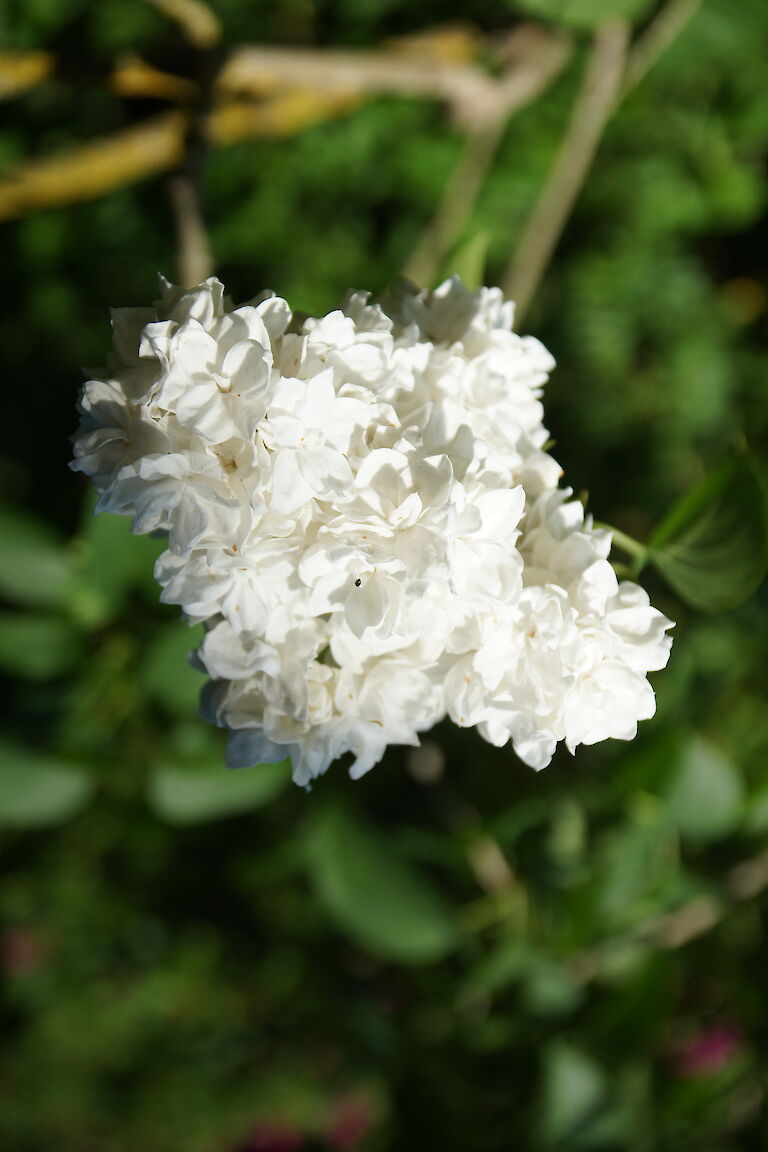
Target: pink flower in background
272 1136
707 1052
350 1120
22 951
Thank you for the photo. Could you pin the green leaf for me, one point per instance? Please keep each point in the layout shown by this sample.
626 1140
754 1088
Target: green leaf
584 13
756 822
706 795
192 793
638 862
469 260
551 988
575 1099
166 674
37 569
37 647
712 547
37 790
114 562
375 895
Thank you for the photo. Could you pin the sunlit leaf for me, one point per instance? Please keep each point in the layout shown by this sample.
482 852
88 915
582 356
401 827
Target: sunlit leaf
705 798
37 647
712 547
166 674
195 792
37 789
373 893
36 567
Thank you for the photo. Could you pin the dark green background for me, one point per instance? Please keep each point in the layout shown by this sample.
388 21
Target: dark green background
328 968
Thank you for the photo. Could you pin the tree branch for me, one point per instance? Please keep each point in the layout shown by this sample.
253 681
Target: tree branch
474 96
194 258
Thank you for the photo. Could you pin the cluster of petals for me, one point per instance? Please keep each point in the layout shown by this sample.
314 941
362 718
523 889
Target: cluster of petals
362 512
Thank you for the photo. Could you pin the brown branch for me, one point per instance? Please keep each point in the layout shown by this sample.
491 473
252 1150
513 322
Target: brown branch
309 92
473 95
574 158
194 258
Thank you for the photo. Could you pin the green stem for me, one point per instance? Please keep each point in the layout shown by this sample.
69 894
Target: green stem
632 547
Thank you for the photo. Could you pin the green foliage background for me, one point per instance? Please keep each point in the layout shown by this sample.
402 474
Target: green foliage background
208 961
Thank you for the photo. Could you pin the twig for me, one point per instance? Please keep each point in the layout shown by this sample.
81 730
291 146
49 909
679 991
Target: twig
296 89
455 208
574 158
660 34
474 96
194 259
534 64
588 120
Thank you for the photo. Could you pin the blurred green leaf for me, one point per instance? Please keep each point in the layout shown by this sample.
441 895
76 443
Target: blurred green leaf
115 562
469 260
37 647
551 988
37 789
638 862
712 547
756 819
195 792
166 674
514 822
498 968
36 569
375 895
575 1100
585 13
705 798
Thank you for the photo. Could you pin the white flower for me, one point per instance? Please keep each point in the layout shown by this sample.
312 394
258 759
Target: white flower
361 510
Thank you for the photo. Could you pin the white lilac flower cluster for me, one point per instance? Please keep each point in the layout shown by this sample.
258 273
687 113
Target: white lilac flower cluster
362 512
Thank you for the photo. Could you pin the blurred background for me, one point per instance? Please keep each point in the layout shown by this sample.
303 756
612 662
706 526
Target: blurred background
454 952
